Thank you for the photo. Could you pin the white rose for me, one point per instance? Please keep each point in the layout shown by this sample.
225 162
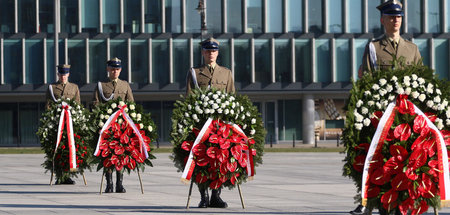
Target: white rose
394 78
132 107
202 96
247 114
126 109
206 99
215 96
252 132
438 91
106 116
180 131
138 115
211 102
400 90
366 122
378 105
439 123
244 127
364 110
223 106
220 110
207 111
421 80
370 103
376 97
430 103
101 116
109 111
358 126
141 125
242 108
447 113
227 103
415 94
391 98
408 91
215 106
382 92
415 84
359 118
375 87
226 112
150 128
121 103
389 88
359 103
210 93
422 97
232 98
382 82
186 114
59 110
133 115
445 103
120 121
218 101
414 77
430 90
437 99
367 93
211 111
100 124
385 103
233 105
113 105
253 120
447 122
232 112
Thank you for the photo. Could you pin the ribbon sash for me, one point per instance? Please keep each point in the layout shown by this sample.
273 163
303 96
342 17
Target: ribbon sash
66 118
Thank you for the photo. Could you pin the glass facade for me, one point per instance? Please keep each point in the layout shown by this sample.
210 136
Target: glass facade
254 16
90 16
7 17
152 16
139 61
234 16
374 24
263 61
27 16
434 14
355 16
414 17
97 55
315 18
173 15
34 62
132 16
213 16
294 15
335 16
242 64
77 60
46 10
343 69
283 59
275 16
68 19
323 70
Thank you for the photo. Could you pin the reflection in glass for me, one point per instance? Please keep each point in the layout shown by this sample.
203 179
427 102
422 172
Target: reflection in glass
242 61
28 123
303 61
173 16
424 50
441 58
7 16
97 60
167 108
295 15
152 17
274 16
132 16
359 47
8 114
69 16
139 61
343 60
354 16
198 59
224 54
434 16
213 16
263 61
119 49
181 60
51 67
323 70
13 69
289 121
155 108
90 16
254 16
283 60
414 16
34 62
160 59
335 16
77 61
315 16
27 15
374 17
234 16
193 24
111 16
46 16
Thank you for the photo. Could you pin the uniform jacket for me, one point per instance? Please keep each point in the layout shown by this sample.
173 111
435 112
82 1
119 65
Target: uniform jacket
122 90
221 79
384 51
70 91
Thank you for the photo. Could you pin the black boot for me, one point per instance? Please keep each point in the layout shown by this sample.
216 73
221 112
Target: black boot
204 202
109 182
216 201
360 210
119 180
68 181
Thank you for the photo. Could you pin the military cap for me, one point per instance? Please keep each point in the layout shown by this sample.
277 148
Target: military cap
391 8
210 44
115 63
63 69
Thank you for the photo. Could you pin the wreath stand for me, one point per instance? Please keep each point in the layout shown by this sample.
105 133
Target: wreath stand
103 179
190 192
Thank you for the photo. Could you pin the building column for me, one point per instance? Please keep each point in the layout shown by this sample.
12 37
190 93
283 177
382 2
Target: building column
308 119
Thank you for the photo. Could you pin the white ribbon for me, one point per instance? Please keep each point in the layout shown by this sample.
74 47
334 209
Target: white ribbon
100 90
373 55
51 92
72 153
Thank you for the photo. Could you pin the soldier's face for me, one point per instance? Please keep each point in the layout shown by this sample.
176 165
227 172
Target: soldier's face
391 23
63 78
210 56
113 72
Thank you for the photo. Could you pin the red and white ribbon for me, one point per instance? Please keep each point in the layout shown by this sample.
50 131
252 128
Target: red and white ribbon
108 124
66 118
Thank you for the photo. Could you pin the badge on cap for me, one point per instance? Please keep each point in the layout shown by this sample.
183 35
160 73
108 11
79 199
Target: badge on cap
63 69
115 63
210 44
391 8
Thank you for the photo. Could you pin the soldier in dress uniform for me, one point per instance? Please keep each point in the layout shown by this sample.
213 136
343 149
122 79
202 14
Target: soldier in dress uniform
113 88
62 89
391 43
380 53
210 75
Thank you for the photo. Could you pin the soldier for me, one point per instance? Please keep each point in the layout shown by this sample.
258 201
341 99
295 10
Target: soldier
113 88
62 89
380 53
210 75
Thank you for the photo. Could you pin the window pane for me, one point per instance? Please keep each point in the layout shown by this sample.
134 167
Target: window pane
198 59
90 16
295 15
315 16
242 61
262 61
160 59
234 16
167 107
27 15
8 114
441 61
77 61
13 69
193 24
132 16
7 16
173 16
343 63
289 121
69 16
152 16
414 16
359 46
254 16
34 62
119 49
424 50
28 123
283 59
434 16
303 61
213 16
139 61
354 16
323 70
181 59
274 16
51 66
374 17
111 16
155 108
335 16
224 54
46 16
97 60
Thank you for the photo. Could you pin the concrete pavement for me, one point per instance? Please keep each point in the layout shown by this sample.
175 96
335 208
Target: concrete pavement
287 183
